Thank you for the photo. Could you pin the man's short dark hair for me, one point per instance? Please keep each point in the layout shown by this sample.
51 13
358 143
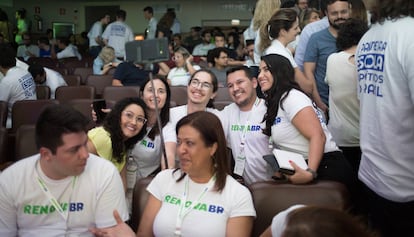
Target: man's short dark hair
44 40
8 56
148 9
35 70
121 14
215 53
55 121
246 70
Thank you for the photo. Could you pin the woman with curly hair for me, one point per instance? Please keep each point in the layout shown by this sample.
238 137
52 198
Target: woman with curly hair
123 127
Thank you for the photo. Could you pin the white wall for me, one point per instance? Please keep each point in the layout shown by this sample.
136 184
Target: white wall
190 12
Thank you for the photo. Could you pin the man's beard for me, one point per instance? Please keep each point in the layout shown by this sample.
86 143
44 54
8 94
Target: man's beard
337 25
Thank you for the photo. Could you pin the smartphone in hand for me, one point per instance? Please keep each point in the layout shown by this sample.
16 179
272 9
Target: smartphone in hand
98 105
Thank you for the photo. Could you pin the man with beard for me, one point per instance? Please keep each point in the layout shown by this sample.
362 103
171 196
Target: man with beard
322 44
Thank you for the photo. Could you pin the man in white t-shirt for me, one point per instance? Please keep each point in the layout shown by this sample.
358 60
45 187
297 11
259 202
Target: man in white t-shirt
63 190
243 123
27 49
385 65
48 77
67 50
152 22
95 35
117 34
17 83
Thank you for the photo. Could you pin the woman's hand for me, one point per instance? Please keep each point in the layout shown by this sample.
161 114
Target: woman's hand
301 176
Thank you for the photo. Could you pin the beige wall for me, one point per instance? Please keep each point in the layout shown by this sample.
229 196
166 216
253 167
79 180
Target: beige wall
190 12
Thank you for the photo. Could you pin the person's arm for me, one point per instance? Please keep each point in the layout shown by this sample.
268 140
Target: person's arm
116 82
267 232
164 69
189 65
240 226
308 124
305 84
309 69
148 217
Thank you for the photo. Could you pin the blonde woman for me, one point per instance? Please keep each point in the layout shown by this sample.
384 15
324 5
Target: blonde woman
183 70
262 13
105 61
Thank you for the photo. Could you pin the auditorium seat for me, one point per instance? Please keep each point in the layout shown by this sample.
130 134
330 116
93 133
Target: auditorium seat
83 106
3 146
271 197
3 113
71 63
42 92
83 72
72 80
25 144
99 82
66 93
179 95
116 93
27 112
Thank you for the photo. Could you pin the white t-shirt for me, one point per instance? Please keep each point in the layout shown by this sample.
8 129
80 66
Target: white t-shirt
18 84
276 47
278 225
152 28
341 76
70 51
147 152
385 66
209 217
176 114
23 49
285 134
117 34
95 31
53 81
256 143
202 49
179 76
90 198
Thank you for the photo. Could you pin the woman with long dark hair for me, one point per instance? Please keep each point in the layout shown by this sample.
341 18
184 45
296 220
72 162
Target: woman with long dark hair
123 127
295 124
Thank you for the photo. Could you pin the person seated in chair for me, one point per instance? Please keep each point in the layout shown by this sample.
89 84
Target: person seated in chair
47 77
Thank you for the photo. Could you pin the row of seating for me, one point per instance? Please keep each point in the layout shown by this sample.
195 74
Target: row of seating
269 198
68 64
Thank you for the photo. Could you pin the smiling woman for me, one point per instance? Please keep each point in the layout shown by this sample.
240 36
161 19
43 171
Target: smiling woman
122 128
200 190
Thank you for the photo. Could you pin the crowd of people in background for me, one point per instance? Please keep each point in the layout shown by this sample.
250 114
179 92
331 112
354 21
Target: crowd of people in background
330 80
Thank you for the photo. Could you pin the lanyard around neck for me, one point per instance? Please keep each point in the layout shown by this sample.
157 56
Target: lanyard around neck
50 196
183 210
246 124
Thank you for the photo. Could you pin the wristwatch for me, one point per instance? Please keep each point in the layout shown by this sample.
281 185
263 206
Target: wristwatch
314 174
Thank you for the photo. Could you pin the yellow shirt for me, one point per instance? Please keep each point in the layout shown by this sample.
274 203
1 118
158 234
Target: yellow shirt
101 139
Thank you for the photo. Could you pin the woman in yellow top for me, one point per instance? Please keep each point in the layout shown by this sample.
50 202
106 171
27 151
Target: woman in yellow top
123 127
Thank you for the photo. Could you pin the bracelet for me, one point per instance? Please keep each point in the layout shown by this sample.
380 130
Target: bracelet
314 174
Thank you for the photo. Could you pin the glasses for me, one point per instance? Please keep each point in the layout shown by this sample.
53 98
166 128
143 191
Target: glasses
130 116
196 83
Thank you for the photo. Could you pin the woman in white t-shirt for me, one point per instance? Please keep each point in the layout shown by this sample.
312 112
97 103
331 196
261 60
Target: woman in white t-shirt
295 124
181 73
